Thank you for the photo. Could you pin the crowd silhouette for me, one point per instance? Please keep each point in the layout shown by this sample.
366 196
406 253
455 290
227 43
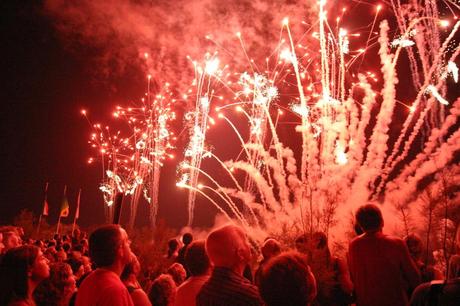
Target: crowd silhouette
378 270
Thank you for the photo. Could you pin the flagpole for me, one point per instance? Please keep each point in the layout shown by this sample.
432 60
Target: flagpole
59 223
44 203
60 213
77 212
38 227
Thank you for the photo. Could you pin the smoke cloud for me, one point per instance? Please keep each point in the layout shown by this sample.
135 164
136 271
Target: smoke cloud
118 33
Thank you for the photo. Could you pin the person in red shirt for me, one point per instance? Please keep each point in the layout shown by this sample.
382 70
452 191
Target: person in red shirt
380 266
197 263
109 249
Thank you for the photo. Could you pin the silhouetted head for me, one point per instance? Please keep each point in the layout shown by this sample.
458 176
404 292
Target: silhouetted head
270 248
132 267
415 245
301 243
109 243
178 273
173 245
369 218
163 291
196 259
287 280
58 288
187 238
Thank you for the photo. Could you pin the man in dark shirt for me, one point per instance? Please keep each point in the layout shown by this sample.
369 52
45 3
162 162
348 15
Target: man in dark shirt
380 265
229 251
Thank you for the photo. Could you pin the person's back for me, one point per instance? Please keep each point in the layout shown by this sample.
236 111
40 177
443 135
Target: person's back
103 287
187 292
380 266
225 287
197 263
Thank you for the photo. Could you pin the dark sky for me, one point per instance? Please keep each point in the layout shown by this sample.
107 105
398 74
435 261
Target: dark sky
44 137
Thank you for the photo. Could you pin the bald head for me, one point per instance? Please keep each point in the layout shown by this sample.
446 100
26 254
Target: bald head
228 247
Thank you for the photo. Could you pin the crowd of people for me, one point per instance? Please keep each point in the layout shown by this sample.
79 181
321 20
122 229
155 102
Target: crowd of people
102 270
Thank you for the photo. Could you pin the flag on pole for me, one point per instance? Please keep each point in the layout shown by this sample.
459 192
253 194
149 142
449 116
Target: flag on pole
65 208
77 212
45 208
45 202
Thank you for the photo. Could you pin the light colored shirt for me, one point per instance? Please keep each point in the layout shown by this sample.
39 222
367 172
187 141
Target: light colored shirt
187 292
103 288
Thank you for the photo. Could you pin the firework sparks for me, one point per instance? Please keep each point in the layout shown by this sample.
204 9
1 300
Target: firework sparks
434 91
453 69
133 163
198 120
337 152
345 155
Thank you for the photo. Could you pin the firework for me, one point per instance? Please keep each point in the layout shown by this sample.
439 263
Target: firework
198 120
132 165
342 164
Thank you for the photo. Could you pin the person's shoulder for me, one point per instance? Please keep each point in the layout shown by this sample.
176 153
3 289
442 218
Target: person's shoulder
455 259
421 293
249 289
20 303
87 282
424 287
392 240
253 294
356 241
139 297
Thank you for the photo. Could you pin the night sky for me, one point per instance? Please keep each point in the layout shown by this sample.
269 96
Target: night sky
44 137
46 82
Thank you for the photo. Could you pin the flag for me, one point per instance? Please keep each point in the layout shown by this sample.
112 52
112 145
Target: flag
65 209
45 202
45 208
